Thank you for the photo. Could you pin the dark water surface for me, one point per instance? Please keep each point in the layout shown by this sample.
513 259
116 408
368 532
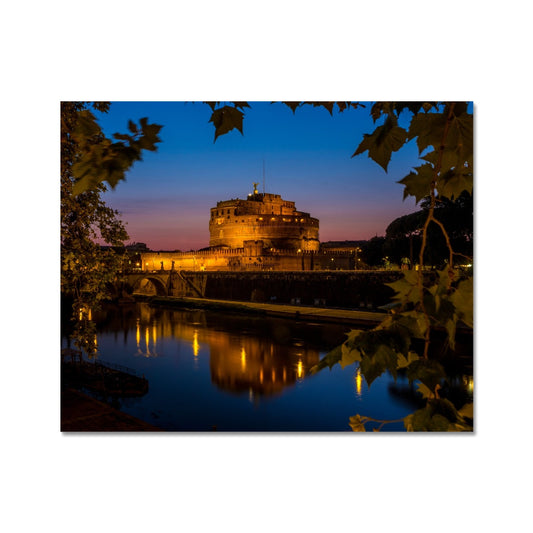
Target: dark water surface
210 370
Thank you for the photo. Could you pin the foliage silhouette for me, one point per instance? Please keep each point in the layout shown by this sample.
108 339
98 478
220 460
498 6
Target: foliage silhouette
444 136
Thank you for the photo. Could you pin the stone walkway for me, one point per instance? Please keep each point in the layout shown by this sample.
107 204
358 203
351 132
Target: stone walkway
322 314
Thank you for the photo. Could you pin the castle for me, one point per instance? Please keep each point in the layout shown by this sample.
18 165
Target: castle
265 217
261 232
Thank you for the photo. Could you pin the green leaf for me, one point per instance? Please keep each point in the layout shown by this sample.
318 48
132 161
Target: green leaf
132 127
419 420
419 183
382 142
406 288
349 356
428 128
448 158
404 362
426 392
226 119
86 126
443 407
429 372
99 160
357 424
463 301
438 423
329 360
461 134
381 108
414 321
453 182
384 358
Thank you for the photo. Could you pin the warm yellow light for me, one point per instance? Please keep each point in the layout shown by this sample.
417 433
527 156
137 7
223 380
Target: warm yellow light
300 370
469 382
195 345
138 334
147 341
243 358
358 382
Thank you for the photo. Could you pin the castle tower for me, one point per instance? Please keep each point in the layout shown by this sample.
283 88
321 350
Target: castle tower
262 216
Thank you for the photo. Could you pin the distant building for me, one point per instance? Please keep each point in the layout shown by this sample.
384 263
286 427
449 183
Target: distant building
266 217
262 232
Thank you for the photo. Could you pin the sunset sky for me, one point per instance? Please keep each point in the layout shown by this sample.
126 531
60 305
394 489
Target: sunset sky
166 198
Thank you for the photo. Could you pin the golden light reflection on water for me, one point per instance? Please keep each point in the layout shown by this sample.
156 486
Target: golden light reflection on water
358 382
147 342
150 339
300 370
251 364
195 345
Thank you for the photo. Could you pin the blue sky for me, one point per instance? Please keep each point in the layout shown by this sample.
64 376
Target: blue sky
166 198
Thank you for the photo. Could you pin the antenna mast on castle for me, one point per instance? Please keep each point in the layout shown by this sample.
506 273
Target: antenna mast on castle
263 176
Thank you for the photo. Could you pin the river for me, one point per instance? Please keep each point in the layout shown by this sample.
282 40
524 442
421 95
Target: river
213 371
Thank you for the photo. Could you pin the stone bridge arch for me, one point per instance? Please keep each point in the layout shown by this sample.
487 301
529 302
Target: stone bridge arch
150 284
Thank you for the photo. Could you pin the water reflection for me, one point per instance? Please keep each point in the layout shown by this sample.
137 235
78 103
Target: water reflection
150 339
358 383
245 373
257 358
244 364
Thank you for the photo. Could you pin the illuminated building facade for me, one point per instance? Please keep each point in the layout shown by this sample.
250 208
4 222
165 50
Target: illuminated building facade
262 232
262 217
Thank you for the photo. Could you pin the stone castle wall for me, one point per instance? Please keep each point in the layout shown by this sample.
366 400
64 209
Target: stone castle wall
253 256
265 217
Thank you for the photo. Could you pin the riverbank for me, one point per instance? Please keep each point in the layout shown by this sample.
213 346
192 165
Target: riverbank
297 312
81 413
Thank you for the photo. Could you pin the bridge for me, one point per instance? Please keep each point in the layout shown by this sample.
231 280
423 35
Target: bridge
164 283
349 289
